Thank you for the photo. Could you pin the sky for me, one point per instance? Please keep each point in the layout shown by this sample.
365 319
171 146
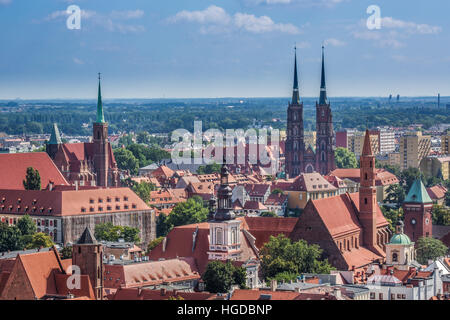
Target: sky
222 48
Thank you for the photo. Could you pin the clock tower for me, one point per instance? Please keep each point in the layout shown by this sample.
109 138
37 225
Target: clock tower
417 208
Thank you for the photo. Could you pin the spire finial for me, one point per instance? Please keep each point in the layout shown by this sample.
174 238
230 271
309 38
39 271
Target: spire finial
323 88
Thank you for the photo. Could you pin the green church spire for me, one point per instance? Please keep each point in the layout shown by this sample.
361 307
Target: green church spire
418 193
55 137
323 88
100 116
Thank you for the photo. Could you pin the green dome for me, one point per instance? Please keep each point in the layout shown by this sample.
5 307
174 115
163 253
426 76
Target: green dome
400 238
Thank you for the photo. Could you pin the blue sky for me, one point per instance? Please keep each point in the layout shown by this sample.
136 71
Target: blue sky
222 48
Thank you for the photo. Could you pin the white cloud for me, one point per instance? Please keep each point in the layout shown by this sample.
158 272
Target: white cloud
334 42
215 19
251 23
303 44
78 61
393 32
212 14
4 2
410 27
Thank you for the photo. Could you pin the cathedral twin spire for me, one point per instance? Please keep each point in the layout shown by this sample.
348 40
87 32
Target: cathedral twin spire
323 90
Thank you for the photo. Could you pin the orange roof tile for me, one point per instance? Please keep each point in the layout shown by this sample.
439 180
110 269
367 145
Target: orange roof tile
13 169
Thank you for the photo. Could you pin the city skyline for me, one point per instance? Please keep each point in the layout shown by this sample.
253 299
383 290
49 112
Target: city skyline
212 49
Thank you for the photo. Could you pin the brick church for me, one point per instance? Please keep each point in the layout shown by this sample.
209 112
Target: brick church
350 228
90 163
299 157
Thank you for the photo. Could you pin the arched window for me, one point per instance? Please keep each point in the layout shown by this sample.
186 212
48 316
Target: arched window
98 135
219 236
234 236
365 176
323 156
295 157
295 145
394 257
365 200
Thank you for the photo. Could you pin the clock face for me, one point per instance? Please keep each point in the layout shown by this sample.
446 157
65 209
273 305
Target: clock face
413 221
427 221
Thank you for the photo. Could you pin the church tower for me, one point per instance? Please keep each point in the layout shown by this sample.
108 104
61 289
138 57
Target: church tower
101 144
324 129
224 228
295 145
87 254
417 208
368 196
54 143
400 250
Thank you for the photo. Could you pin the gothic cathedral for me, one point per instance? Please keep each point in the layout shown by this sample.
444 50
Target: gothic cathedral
301 158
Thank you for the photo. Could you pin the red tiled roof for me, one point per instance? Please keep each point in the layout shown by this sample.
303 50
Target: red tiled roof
437 192
146 294
383 177
276 199
254 205
264 227
339 215
180 243
70 202
255 294
13 169
256 190
312 182
163 171
150 273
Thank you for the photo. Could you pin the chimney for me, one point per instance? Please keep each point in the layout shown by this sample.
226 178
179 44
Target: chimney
76 185
50 185
164 244
337 293
273 285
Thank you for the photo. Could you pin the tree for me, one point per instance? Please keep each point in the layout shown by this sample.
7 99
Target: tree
10 238
345 159
277 191
143 190
220 276
187 212
126 160
209 168
280 256
66 252
32 180
447 198
441 215
408 176
39 240
143 137
392 216
162 227
269 214
154 243
26 225
130 234
395 193
109 232
429 249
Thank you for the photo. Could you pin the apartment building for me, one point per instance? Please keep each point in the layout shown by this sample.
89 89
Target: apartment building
413 148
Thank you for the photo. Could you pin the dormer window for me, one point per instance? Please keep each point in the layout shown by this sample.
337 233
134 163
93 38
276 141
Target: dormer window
125 198
83 209
91 200
100 200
